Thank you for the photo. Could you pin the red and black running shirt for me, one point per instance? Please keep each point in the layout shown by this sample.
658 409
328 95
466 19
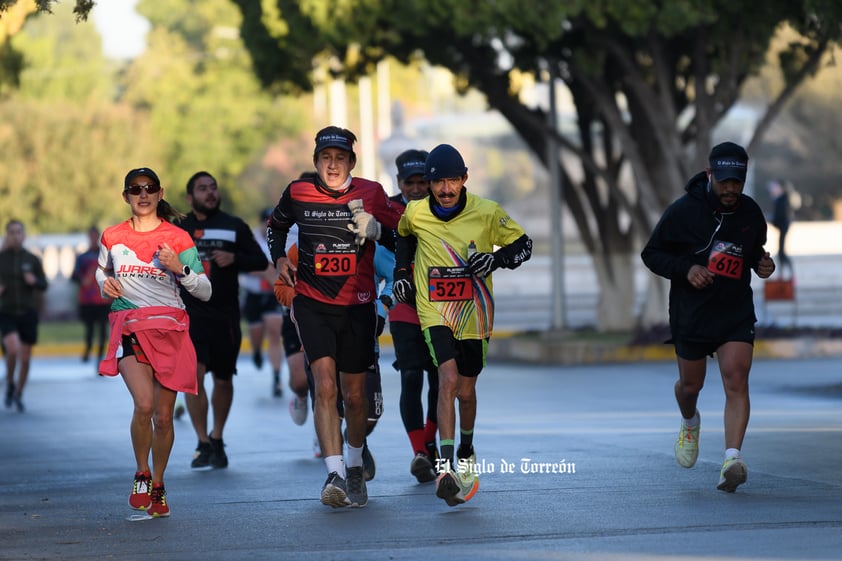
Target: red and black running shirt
331 267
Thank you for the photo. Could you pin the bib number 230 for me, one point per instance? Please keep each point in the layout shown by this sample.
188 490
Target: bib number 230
336 264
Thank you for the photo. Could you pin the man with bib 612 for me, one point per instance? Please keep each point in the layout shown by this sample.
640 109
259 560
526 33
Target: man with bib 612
707 243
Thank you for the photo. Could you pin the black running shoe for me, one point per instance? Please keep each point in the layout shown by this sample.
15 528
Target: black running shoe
357 492
422 468
218 459
10 395
369 465
201 457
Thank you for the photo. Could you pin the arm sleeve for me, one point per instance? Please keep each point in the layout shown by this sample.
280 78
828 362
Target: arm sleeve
76 276
405 252
284 293
250 256
279 224
515 254
660 255
384 266
388 212
41 278
759 250
104 266
198 285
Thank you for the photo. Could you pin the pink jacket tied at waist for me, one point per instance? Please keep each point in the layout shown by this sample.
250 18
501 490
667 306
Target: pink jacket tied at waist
164 334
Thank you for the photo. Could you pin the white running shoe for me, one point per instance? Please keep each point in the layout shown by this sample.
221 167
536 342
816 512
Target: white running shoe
687 445
298 409
733 474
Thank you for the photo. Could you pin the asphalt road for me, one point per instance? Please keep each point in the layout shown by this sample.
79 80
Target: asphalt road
66 468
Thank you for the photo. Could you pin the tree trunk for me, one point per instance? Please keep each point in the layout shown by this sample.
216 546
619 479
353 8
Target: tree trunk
615 273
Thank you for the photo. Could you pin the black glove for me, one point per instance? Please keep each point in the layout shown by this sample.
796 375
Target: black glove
387 302
481 264
403 290
381 325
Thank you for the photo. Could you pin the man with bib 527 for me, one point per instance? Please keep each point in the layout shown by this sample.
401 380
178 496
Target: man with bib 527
451 237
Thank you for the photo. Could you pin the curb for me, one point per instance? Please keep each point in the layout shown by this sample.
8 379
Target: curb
542 350
546 349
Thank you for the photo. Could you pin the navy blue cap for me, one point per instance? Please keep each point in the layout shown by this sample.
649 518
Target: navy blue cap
444 162
411 162
728 161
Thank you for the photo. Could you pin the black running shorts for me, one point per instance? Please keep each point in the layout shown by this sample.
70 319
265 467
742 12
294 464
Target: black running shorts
411 350
469 353
344 333
217 340
696 350
289 336
25 325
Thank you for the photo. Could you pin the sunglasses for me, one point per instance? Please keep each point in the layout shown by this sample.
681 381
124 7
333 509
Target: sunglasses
151 188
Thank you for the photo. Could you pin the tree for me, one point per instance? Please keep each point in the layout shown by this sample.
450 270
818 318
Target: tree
206 106
650 81
73 123
81 8
63 142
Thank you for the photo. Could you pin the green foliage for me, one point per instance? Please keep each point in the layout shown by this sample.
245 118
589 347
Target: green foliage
62 59
205 105
77 122
63 163
81 8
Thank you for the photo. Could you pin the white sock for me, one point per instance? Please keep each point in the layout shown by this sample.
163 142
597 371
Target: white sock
693 421
335 463
355 456
732 453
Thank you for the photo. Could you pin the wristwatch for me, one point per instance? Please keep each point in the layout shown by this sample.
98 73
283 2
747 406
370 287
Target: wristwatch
185 271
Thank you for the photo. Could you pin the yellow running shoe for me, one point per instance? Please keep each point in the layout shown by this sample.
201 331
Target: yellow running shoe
466 474
687 445
734 473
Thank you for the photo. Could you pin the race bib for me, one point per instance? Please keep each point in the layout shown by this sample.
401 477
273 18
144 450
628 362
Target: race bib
726 259
450 284
335 260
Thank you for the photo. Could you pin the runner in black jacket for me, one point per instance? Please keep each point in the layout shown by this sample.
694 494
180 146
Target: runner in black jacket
226 247
706 243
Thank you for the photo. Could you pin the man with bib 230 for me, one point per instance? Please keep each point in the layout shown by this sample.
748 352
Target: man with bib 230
707 243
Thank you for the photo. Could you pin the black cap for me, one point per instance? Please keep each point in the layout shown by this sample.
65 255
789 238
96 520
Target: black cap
137 173
728 161
443 162
333 139
411 162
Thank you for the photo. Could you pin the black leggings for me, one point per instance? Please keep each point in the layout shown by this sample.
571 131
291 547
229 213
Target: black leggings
412 386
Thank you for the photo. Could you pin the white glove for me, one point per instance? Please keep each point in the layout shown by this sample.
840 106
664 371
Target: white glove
481 264
364 225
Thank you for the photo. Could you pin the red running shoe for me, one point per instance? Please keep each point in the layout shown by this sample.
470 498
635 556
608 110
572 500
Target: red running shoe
159 508
141 497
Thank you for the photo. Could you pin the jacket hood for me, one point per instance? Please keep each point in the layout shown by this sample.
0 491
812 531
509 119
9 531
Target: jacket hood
697 186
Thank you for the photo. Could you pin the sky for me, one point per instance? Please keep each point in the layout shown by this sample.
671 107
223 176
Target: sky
123 30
